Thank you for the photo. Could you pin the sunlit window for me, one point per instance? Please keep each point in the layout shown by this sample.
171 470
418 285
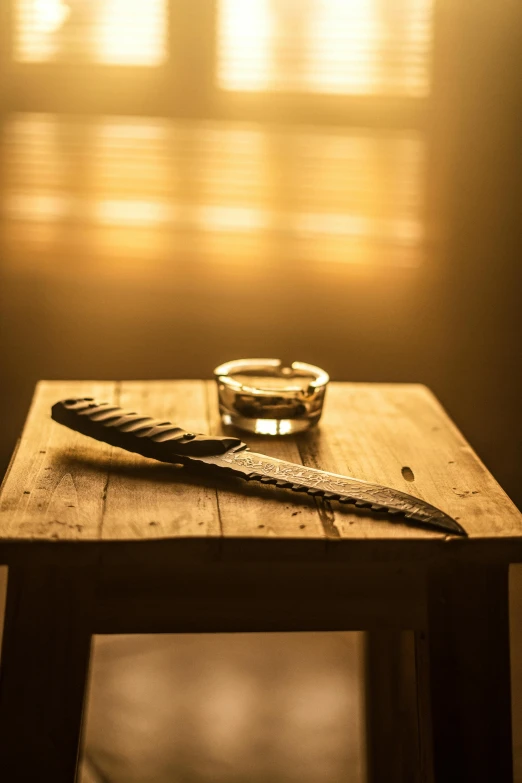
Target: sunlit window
358 47
118 32
350 47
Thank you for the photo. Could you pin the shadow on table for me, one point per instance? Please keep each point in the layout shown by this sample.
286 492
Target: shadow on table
163 473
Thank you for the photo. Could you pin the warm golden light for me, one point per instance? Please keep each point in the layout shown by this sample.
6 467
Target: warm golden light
49 15
132 32
245 39
273 426
355 47
237 189
122 32
342 55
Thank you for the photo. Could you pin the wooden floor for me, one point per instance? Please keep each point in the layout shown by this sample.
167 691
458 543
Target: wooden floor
275 708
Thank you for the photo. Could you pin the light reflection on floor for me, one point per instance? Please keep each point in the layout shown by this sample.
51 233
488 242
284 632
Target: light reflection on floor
272 708
233 190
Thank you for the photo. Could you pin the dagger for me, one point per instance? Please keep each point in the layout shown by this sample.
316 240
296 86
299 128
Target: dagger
166 442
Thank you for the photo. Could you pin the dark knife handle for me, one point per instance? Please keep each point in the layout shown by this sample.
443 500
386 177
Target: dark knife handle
152 438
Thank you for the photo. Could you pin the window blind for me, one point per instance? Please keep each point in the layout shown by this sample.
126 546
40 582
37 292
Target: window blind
350 47
238 189
113 32
357 47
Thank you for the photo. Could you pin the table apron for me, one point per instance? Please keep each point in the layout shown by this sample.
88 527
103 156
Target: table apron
259 597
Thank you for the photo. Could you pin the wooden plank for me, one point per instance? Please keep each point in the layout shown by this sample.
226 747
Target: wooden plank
45 658
264 512
469 673
391 708
474 495
398 435
515 628
3 594
259 596
55 488
424 725
392 434
151 500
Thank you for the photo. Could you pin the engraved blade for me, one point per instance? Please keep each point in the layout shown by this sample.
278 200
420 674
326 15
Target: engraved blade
248 465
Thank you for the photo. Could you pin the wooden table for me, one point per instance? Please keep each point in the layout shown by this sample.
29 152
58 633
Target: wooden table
101 541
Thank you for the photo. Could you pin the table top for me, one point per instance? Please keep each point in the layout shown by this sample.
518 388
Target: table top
64 487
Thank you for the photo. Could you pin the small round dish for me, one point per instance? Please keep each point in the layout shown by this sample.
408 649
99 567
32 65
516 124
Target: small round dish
268 398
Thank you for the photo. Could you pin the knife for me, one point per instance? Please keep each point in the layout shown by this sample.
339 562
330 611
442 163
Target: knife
166 442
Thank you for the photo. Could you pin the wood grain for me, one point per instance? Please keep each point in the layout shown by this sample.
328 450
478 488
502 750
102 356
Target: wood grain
65 487
398 435
256 511
55 489
148 499
272 553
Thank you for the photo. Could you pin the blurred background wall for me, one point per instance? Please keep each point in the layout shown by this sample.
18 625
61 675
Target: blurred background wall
188 181
184 182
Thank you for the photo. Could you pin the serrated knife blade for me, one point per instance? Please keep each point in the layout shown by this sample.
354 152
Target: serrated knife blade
166 442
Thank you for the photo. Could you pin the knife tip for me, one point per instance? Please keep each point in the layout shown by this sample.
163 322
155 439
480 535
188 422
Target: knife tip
453 527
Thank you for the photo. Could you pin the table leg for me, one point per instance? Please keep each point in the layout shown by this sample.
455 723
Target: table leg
469 673
391 708
43 672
